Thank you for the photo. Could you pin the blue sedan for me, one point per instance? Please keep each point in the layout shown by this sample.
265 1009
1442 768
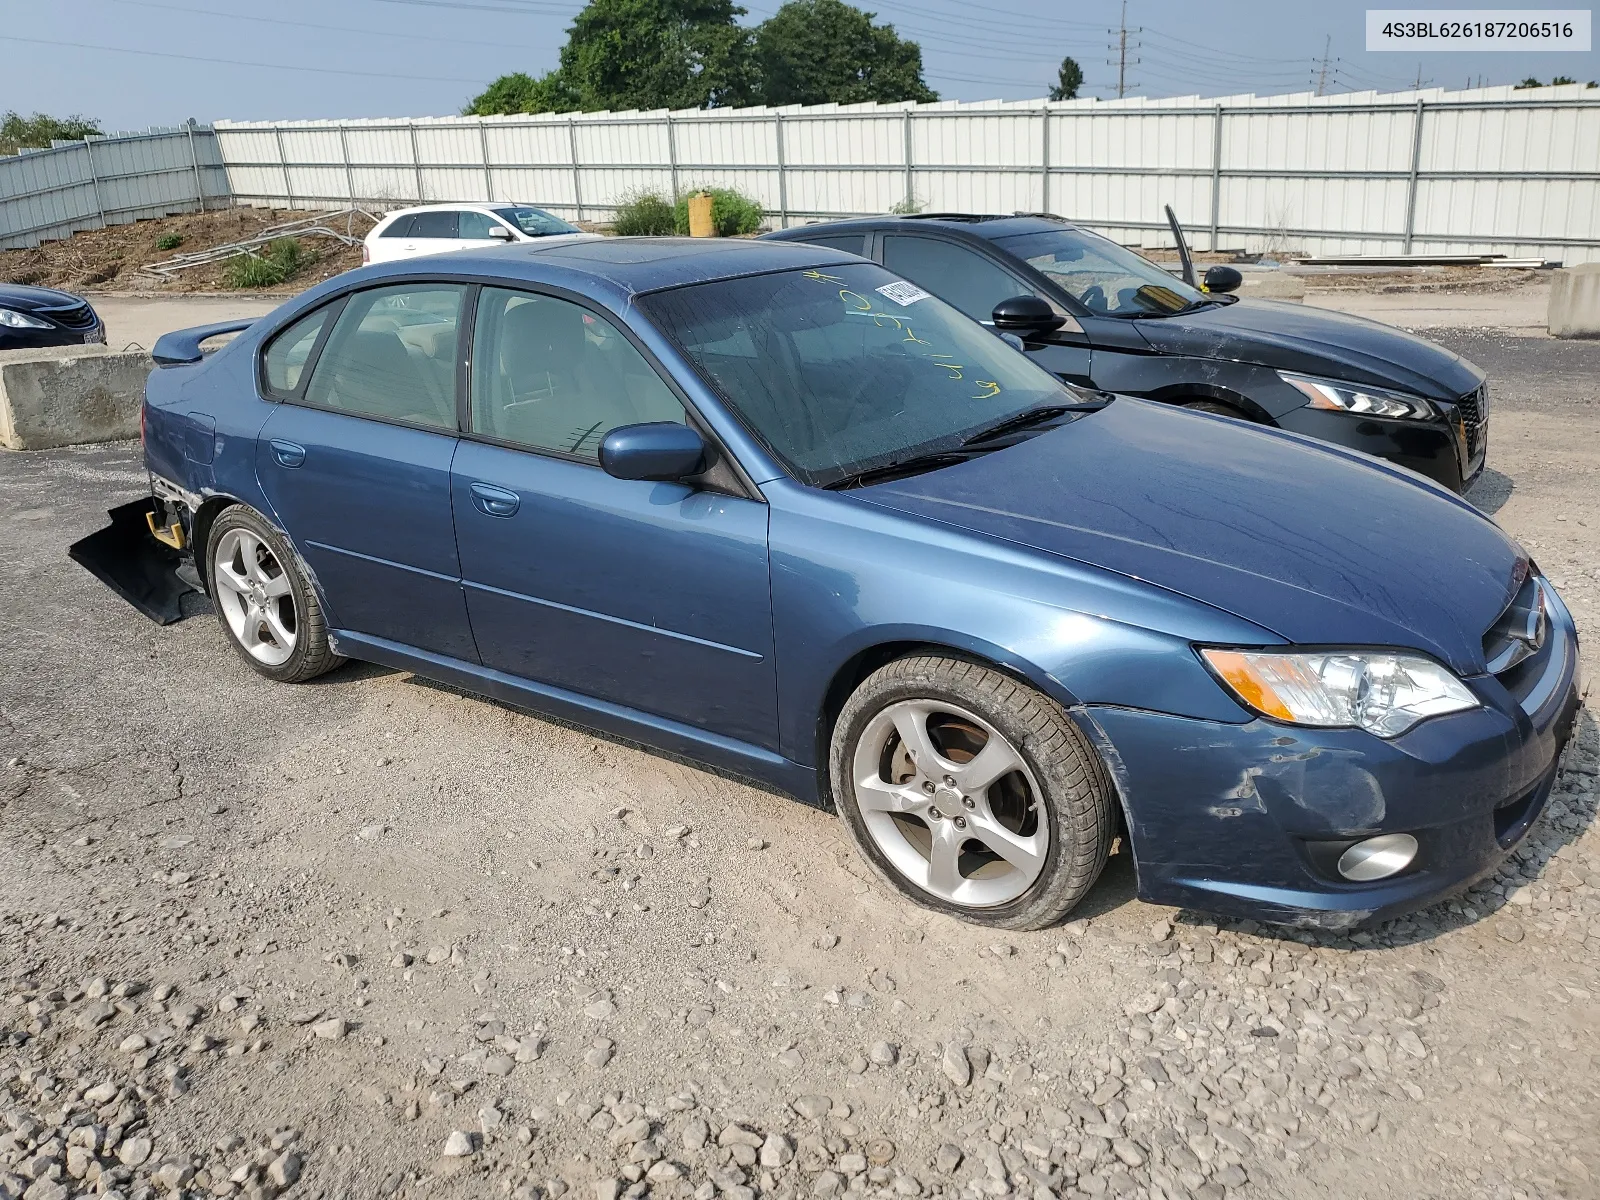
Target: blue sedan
770 507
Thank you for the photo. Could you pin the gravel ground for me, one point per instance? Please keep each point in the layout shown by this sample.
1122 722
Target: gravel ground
371 937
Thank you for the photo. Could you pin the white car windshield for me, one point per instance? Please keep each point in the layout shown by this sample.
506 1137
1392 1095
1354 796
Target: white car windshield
1103 276
846 370
535 222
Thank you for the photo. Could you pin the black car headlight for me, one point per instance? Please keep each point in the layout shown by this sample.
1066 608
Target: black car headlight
1334 396
1381 692
11 319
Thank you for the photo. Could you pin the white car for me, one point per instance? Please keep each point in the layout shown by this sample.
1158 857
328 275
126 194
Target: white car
438 228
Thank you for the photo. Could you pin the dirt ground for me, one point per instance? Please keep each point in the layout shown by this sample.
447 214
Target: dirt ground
109 259
372 937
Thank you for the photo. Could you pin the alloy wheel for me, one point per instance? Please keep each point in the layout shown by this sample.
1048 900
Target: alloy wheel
951 803
256 596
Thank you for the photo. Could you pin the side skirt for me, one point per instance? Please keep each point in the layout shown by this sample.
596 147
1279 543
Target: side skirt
699 745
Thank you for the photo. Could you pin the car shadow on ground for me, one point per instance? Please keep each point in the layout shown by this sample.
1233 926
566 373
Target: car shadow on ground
1555 829
1491 491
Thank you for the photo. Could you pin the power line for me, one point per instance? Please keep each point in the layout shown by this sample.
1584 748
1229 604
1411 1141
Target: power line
234 62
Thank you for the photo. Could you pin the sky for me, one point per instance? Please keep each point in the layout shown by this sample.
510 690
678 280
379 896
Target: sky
135 63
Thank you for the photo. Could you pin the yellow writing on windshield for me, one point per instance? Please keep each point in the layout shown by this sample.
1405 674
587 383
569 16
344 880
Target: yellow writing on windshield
820 277
993 389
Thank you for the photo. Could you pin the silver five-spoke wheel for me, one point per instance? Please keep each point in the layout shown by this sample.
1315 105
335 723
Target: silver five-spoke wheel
951 803
255 596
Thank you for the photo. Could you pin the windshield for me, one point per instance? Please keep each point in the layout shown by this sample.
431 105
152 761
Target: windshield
1103 276
847 369
535 222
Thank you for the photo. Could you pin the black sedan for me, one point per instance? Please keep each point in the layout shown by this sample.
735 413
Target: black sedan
32 317
1100 315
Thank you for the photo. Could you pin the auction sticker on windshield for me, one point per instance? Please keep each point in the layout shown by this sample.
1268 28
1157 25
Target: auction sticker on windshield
1561 29
902 293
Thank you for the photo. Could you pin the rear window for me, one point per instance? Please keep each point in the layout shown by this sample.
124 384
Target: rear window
434 225
285 356
399 227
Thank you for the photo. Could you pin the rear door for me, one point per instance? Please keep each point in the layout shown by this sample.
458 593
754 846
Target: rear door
974 282
355 462
395 240
653 596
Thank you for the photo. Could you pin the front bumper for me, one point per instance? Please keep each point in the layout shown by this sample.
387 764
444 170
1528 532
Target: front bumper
1450 450
1248 820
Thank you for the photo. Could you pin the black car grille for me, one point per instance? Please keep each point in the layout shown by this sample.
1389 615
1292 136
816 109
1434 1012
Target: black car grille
71 316
1473 409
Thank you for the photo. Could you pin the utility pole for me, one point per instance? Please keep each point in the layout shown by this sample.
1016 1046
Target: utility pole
1322 75
1121 61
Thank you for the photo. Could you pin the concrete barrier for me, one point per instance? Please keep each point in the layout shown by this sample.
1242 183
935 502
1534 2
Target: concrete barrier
69 395
1575 302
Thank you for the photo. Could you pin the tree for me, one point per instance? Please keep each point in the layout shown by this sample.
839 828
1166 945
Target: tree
1068 80
1561 79
623 54
826 51
1529 82
39 130
522 93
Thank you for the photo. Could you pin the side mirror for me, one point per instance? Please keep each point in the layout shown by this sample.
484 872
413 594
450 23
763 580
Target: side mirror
500 233
1026 315
1223 279
661 450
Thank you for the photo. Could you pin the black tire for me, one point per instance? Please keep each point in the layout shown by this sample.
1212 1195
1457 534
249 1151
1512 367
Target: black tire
1078 799
1218 408
312 654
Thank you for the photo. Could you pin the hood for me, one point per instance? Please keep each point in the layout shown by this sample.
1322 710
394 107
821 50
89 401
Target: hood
1294 337
1319 546
20 298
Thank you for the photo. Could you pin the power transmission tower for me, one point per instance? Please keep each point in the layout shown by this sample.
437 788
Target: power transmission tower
1322 75
1122 61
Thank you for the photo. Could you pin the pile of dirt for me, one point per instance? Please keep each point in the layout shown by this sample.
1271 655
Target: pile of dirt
109 259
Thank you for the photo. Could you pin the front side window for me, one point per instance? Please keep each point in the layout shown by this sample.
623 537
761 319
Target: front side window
955 274
550 375
434 225
399 227
285 356
475 226
392 355
534 222
841 370
1103 276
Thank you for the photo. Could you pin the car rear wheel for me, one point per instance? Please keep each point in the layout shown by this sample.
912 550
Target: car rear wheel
971 793
264 603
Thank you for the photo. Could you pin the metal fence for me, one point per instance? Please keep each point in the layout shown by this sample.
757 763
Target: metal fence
54 193
1488 171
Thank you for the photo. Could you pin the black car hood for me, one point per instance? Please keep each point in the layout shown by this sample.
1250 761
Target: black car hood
1320 546
1293 337
20 298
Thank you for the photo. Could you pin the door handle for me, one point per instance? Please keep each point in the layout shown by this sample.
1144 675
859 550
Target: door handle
287 453
494 501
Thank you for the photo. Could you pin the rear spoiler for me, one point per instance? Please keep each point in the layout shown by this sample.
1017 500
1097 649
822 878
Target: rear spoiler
183 346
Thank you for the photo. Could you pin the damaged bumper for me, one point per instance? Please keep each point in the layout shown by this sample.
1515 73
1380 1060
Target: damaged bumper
142 555
1251 820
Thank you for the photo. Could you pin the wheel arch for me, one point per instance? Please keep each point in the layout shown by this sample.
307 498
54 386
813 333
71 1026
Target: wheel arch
1182 393
200 525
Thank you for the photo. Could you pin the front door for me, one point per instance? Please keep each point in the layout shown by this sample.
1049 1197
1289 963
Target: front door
355 463
973 282
653 596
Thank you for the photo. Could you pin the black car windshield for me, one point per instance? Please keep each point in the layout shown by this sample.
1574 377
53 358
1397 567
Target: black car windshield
535 222
846 369
1103 276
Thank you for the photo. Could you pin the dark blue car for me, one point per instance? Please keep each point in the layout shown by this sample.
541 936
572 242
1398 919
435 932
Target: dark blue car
773 508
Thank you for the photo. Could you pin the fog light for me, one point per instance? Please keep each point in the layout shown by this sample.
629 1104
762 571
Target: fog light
1378 857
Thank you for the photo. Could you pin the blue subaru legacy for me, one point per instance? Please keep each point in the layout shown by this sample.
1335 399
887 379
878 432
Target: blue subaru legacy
770 507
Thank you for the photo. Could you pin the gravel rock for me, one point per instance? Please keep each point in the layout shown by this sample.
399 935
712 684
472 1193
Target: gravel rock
332 1030
956 1066
459 1145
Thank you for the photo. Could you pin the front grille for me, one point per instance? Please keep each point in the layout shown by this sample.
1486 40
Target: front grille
1473 409
72 316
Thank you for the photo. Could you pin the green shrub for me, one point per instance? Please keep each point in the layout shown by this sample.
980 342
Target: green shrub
169 241
644 214
907 207
274 265
732 213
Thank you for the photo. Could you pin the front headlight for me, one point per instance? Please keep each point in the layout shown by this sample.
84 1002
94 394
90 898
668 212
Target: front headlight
1385 694
12 319
1334 396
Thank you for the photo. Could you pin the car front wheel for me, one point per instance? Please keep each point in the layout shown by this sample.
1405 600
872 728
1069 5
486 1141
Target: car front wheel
264 602
971 793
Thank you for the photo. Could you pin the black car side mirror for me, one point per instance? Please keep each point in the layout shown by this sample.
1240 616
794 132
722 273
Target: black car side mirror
500 233
1223 279
1026 315
662 451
